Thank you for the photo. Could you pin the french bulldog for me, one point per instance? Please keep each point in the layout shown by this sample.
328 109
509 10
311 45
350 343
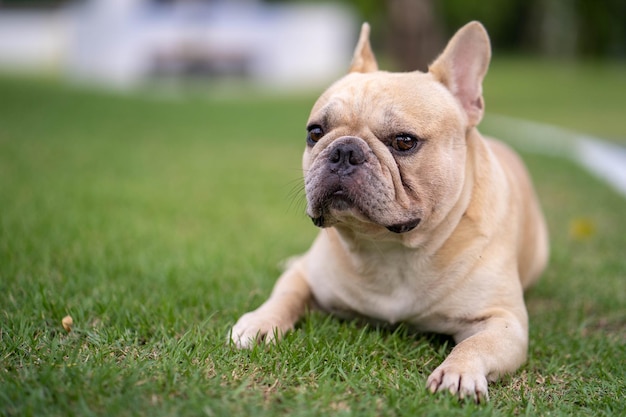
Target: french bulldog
424 220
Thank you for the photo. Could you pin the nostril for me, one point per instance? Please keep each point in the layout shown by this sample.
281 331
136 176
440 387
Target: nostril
346 155
356 157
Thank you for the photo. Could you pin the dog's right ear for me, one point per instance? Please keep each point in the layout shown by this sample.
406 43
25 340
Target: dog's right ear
364 59
462 66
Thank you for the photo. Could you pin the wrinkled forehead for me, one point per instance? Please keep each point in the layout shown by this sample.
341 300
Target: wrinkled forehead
380 97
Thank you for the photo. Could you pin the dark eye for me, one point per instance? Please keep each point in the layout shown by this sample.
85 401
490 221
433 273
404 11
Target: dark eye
404 142
314 134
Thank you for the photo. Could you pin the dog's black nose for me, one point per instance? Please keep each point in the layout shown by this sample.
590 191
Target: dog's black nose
345 157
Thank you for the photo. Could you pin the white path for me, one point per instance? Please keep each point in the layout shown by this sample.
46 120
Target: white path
604 159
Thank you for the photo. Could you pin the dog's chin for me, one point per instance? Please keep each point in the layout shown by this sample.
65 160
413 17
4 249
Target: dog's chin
340 205
339 201
333 205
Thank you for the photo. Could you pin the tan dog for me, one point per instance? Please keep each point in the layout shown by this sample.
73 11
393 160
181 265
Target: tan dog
426 222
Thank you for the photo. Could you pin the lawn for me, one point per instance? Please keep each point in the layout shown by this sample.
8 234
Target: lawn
586 97
156 223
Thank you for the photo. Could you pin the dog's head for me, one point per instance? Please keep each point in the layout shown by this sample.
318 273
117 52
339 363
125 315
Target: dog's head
386 152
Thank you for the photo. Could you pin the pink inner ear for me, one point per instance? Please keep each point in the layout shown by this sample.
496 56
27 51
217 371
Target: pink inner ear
462 67
467 80
478 103
468 69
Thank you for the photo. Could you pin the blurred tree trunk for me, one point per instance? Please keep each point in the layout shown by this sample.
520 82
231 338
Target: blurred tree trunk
415 35
553 27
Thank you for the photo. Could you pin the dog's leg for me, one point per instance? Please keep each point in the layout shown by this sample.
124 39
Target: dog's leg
278 314
487 349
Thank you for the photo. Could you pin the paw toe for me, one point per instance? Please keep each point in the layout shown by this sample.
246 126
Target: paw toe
461 383
253 328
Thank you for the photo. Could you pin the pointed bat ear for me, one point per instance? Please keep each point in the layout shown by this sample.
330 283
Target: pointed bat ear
462 66
364 59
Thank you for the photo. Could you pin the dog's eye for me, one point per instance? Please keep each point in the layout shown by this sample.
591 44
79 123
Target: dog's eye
314 134
404 142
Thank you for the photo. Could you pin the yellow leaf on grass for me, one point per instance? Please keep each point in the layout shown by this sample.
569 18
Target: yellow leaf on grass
581 228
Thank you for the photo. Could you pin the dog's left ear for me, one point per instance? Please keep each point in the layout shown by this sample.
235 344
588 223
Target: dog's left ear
462 66
364 59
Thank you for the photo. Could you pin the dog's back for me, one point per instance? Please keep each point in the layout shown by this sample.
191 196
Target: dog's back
533 247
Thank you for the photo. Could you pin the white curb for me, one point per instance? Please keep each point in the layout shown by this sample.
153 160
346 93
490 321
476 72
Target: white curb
604 159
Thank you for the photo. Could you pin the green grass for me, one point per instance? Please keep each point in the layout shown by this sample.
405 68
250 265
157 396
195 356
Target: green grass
155 224
586 97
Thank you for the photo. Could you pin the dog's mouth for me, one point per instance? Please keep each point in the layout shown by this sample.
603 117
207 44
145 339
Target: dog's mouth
353 195
337 200
320 221
404 227
340 200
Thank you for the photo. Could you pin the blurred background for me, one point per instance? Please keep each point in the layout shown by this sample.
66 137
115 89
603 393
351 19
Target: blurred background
151 182
283 43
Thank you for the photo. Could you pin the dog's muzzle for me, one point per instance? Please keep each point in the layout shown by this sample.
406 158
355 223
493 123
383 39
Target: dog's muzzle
343 180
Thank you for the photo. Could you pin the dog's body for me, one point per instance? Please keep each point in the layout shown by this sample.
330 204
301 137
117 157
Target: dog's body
426 221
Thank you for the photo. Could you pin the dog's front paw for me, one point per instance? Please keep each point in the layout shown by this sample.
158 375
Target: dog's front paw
256 327
461 381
